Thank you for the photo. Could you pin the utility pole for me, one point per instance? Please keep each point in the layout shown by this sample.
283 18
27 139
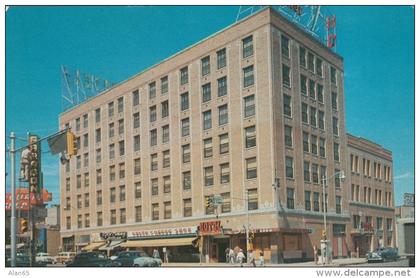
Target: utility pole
13 193
247 225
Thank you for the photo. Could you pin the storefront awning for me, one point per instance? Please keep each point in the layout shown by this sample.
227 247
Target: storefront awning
94 245
111 245
159 242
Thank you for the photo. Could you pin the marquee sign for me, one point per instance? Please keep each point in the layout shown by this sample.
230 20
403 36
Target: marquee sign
210 228
162 233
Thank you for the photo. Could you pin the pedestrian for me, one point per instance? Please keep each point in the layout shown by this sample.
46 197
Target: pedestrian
241 257
261 258
227 254
251 258
156 254
231 256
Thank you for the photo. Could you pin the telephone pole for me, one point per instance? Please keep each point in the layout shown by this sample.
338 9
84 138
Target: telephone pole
13 193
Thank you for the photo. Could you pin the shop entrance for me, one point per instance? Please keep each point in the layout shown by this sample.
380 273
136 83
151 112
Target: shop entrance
222 245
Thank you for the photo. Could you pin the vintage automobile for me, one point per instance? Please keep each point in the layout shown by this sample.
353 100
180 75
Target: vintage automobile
135 258
44 257
64 257
383 254
145 260
90 259
23 261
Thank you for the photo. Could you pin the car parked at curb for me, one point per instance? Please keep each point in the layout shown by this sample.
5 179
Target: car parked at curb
90 259
44 257
64 257
383 254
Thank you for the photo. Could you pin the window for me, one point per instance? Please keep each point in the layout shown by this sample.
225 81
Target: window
303 86
112 151
305 142
247 47
113 219
321 123
186 153
165 134
111 109
334 100
98 135
302 57
222 86
121 127
221 58
153 137
288 136
289 167
314 144
121 147
98 177
164 85
152 113
252 199
85 121
285 46
99 197
99 220
136 143
122 193
307 200
185 127
321 147
86 200
335 126
155 187
121 170
206 92
111 130
207 120
336 152
287 105
79 221
223 114
68 223
136 98
112 195
167 184
86 179
315 201
85 140
320 93
186 180
224 143
185 103
315 177
136 120
318 66
112 173
286 75
226 206
208 176
306 173
208 147
137 168
248 76
165 109
187 207
85 160
98 115
79 201
312 89
333 75
166 159
155 211
152 90
78 162
304 112
313 116
167 210
323 170
311 62
338 204
137 190
87 220
249 106
154 162
205 66
224 173
137 213
120 104
184 75
251 168
122 216
67 184
250 137
337 178
290 198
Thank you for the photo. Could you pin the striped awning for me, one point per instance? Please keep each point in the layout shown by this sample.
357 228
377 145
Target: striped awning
93 246
183 241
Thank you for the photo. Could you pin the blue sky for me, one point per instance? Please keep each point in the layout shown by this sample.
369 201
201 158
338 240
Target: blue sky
377 44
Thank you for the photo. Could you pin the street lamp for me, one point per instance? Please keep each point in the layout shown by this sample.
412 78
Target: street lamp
324 239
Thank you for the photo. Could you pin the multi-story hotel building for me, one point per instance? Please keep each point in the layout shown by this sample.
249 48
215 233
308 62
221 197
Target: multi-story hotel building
253 114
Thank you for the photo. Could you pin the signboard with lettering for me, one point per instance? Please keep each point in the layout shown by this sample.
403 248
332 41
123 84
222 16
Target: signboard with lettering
163 233
210 228
22 198
113 236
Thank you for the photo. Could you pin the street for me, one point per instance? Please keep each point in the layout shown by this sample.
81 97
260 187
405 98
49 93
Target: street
398 263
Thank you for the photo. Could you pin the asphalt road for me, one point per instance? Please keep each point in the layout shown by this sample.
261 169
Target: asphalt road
399 263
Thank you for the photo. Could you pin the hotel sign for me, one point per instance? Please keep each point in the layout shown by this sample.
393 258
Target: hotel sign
162 233
210 228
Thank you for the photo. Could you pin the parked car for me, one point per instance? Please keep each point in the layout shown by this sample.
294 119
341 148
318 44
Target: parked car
64 257
23 261
44 257
126 258
383 254
91 259
145 260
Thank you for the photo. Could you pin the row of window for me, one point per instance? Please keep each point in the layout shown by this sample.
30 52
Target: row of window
366 165
377 198
368 222
314 199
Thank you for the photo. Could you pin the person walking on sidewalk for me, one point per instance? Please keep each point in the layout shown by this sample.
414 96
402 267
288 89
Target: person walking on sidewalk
261 258
251 258
231 256
241 257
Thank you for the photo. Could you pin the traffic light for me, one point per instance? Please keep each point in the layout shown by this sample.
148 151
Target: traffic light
251 235
23 225
71 144
324 235
209 201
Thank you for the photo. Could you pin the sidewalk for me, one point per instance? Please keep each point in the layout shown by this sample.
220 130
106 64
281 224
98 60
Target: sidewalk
335 263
